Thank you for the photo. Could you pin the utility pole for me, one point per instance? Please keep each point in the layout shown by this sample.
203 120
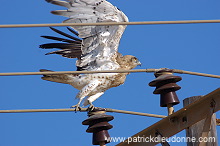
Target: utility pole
205 129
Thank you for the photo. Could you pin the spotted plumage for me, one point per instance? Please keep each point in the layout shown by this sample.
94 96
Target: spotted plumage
97 50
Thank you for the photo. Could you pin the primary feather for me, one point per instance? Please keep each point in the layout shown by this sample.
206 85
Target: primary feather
98 49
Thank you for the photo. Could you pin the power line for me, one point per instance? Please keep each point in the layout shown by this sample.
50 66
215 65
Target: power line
107 71
75 72
81 110
110 23
195 73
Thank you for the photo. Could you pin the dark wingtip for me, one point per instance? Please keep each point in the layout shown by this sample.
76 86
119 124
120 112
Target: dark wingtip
43 36
49 53
49 1
41 46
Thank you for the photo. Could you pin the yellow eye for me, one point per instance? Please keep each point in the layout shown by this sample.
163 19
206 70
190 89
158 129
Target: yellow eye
135 59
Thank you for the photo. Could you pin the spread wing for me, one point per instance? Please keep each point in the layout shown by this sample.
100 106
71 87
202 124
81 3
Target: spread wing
99 43
70 48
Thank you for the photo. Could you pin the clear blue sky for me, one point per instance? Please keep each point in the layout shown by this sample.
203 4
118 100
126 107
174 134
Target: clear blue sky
192 47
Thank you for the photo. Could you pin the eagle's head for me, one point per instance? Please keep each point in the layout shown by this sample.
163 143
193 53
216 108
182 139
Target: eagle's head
128 62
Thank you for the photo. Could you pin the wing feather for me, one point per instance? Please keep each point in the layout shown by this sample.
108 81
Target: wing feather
59 39
60 46
59 3
100 43
65 34
74 32
70 49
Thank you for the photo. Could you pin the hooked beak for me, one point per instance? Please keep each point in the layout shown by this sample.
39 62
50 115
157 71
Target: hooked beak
139 63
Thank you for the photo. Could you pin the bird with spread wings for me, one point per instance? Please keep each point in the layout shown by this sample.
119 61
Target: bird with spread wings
97 50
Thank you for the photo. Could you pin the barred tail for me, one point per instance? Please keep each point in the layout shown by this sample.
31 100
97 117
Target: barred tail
55 78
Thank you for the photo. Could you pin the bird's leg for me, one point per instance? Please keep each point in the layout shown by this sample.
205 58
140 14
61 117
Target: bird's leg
77 106
91 106
92 98
84 92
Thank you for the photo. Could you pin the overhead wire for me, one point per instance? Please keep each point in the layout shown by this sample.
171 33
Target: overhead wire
81 110
110 23
103 71
108 71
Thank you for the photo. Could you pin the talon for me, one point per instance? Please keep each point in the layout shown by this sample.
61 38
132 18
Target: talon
91 107
77 107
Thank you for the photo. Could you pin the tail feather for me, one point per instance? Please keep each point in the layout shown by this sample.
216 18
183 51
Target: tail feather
65 79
